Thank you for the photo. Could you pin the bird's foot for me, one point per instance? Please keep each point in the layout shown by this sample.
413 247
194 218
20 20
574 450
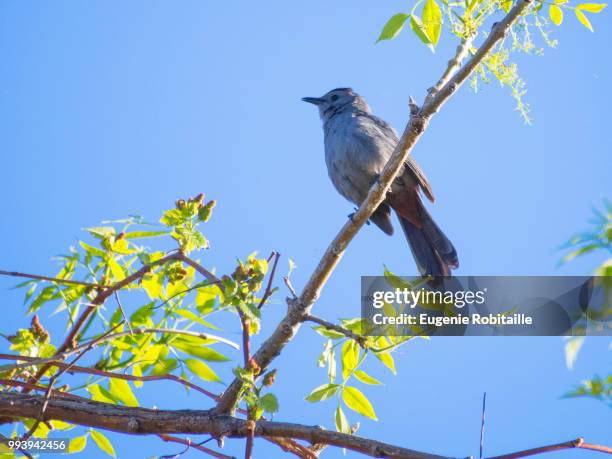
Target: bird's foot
351 215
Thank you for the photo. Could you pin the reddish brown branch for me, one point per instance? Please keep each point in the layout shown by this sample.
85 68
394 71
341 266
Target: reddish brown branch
268 290
190 444
108 374
198 267
291 446
577 443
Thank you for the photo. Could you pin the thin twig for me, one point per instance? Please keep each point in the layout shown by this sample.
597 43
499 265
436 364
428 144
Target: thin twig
268 291
248 449
291 446
245 324
482 425
337 328
198 267
190 444
55 392
577 443
127 322
51 279
290 287
108 374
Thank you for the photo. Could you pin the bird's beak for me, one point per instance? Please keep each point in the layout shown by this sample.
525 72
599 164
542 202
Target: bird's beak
313 100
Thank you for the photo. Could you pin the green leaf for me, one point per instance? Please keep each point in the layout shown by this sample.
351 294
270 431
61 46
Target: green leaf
202 370
358 402
322 392
387 359
116 269
100 394
103 443
143 234
507 5
432 20
592 7
121 390
92 250
321 330
101 231
393 27
417 28
366 378
77 444
201 351
195 318
47 294
395 281
583 19
154 285
350 355
269 403
342 424
142 315
556 14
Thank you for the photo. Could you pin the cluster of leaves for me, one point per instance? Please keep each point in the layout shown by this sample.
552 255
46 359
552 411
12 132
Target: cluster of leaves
161 325
598 388
352 357
257 401
467 19
598 239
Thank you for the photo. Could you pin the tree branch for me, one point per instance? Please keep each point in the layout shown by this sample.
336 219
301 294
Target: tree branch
108 374
337 328
131 420
578 443
50 279
268 290
300 308
190 444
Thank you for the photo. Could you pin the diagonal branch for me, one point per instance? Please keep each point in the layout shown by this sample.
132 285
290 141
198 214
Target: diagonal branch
419 119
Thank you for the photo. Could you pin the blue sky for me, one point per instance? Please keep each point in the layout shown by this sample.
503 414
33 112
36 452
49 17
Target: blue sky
115 108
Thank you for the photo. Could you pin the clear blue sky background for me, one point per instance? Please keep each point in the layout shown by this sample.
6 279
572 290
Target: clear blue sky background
111 108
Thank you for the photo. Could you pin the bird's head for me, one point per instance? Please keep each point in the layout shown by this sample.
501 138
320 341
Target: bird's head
337 100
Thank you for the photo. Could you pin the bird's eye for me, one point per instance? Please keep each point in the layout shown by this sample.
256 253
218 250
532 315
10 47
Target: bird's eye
334 97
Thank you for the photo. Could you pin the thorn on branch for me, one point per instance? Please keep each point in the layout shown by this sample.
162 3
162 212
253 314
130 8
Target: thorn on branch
414 107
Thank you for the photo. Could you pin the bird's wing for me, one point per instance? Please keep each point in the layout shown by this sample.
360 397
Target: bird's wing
410 163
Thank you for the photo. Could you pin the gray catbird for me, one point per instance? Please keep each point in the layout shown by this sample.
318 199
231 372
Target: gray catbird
357 147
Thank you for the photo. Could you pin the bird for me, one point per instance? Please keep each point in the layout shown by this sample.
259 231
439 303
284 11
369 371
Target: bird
358 145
